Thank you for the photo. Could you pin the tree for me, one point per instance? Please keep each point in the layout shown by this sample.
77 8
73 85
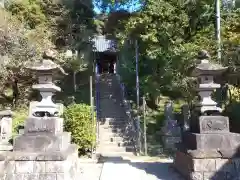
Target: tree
170 33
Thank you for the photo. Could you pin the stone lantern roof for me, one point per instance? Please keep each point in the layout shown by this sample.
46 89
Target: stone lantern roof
43 65
46 64
206 67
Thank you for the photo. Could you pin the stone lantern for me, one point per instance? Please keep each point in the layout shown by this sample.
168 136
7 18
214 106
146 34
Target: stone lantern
5 130
208 149
45 70
206 71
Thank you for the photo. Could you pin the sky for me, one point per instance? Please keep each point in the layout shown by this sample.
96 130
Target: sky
135 5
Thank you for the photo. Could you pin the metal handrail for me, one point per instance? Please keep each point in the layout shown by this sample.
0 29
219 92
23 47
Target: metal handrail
97 96
128 111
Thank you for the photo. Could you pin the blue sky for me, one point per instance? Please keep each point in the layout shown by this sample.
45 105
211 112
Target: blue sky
134 5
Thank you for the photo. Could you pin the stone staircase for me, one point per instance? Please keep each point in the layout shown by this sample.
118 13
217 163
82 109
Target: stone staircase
115 131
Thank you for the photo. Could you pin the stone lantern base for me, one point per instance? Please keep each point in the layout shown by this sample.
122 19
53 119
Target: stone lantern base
211 165
18 165
42 152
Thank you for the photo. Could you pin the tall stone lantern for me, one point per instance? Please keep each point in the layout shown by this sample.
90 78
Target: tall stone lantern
208 150
206 71
44 150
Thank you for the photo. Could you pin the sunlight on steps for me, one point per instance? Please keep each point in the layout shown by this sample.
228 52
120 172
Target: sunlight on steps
115 136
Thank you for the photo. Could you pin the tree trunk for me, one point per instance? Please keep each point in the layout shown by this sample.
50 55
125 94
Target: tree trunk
16 92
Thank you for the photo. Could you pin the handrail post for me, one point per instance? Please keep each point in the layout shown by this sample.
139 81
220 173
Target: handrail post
145 126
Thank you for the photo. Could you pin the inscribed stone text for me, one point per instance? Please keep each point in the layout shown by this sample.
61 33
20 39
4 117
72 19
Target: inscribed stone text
214 126
41 126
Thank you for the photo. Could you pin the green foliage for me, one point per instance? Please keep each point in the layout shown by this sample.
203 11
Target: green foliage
19 118
28 11
232 111
28 28
78 121
231 40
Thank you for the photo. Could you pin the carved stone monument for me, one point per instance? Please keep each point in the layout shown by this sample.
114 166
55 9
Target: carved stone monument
171 132
185 117
5 130
43 151
208 150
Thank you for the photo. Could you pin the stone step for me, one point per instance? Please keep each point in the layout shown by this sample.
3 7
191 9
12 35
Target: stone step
108 135
118 126
111 114
120 131
112 121
115 133
114 138
105 97
115 130
117 122
118 144
109 104
113 124
110 107
119 116
115 127
113 148
108 93
111 138
105 156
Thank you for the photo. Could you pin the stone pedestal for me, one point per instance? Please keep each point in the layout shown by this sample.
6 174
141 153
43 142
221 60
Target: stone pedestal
42 134
43 151
211 153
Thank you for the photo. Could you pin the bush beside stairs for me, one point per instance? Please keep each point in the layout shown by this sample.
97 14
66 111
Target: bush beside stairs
115 130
